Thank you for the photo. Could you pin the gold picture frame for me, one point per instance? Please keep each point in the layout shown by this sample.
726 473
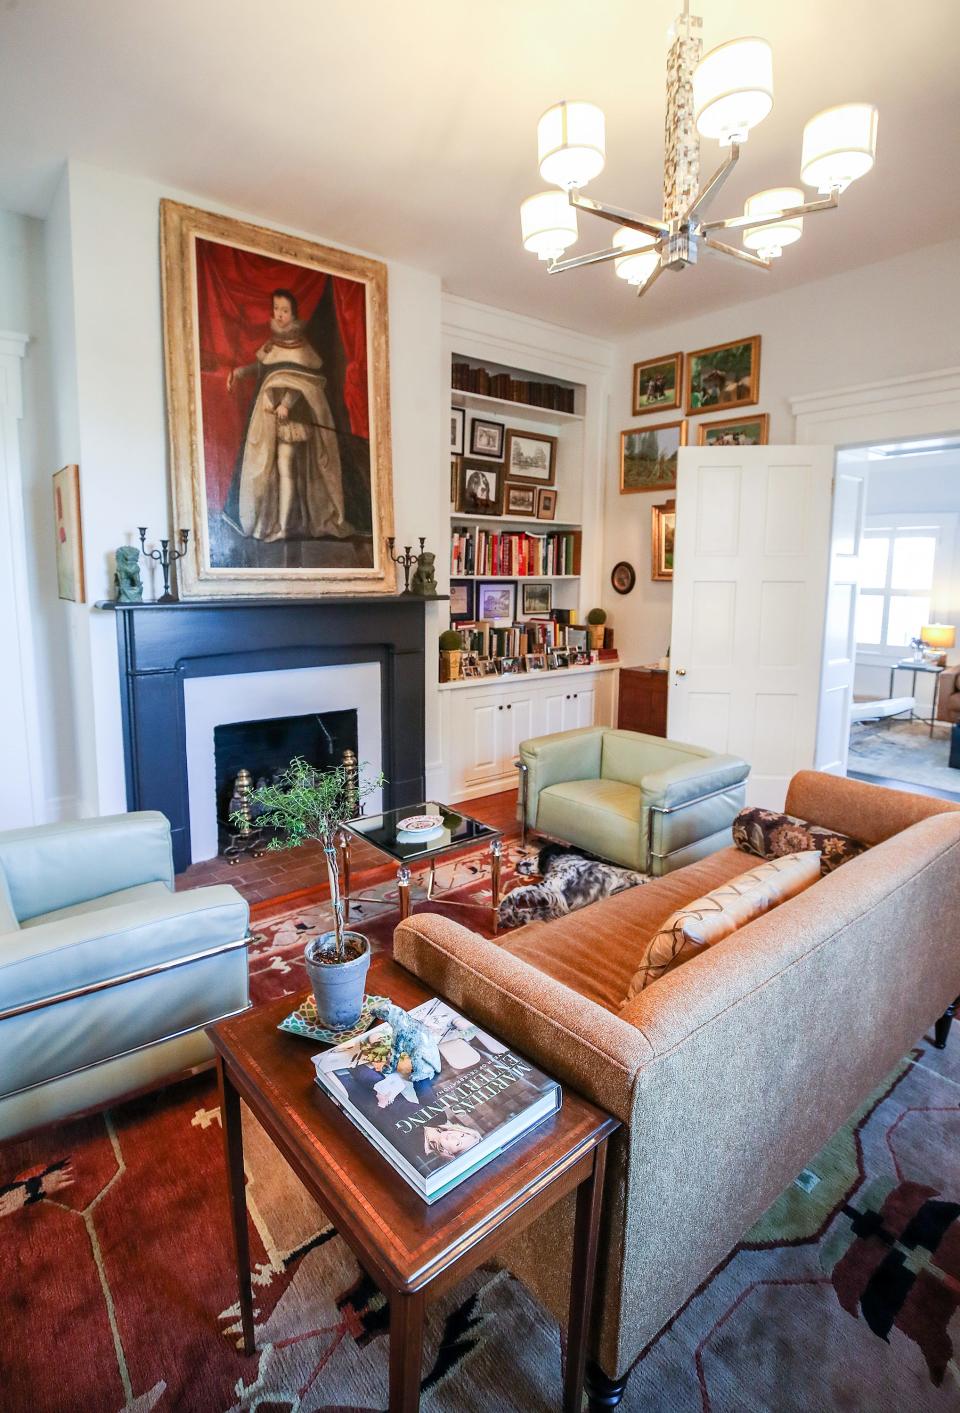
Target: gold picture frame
723 376
71 580
281 472
724 431
648 457
664 384
663 528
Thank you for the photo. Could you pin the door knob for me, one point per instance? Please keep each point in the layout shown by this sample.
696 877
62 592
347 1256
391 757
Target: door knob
681 671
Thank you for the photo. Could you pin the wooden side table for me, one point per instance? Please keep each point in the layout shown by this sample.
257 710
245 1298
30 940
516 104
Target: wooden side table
414 1251
643 700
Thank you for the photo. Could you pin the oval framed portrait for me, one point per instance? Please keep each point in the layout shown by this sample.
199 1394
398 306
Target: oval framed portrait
623 577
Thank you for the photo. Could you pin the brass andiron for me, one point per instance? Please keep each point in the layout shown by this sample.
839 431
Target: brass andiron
243 833
164 556
352 772
406 560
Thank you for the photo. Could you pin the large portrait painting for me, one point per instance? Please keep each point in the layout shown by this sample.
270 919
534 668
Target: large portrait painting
278 406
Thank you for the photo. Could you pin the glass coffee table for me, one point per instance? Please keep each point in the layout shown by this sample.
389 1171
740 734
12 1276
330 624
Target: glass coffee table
458 833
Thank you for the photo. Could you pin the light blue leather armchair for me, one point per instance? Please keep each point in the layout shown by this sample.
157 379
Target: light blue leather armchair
107 976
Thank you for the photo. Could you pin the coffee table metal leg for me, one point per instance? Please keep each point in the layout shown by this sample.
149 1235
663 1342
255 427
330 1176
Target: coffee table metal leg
236 1186
495 852
403 888
585 1232
343 863
406 1352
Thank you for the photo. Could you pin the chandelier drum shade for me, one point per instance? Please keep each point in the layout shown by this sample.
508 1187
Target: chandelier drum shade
722 95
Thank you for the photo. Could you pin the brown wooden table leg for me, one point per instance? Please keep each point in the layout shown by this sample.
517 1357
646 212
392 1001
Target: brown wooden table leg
406 1351
343 863
403 889
585 1233
232 1125
495 851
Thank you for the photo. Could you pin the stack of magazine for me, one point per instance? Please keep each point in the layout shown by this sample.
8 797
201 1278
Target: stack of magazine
437 1132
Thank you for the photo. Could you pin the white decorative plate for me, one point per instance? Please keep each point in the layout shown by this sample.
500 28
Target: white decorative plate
420 823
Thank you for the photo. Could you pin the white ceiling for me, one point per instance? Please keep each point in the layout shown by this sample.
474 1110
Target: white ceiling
408 129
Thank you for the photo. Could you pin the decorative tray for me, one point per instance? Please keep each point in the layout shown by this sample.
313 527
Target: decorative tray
303 1021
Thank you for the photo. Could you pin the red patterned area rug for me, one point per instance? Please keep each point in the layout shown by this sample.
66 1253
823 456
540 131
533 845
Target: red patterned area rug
118 1290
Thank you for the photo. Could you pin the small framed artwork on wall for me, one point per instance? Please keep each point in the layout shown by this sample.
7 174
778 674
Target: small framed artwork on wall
546 503
663 530
486 439
520 500
656 384
724 376
735 431
648 457
461 600
458 422
66 510
531 458
537 598
497 601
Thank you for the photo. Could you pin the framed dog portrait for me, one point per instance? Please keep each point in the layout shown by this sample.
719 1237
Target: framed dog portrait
278 410
480 489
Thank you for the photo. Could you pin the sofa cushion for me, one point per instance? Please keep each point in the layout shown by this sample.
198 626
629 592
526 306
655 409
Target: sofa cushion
141 892
600 815
770 835
597 950
709 919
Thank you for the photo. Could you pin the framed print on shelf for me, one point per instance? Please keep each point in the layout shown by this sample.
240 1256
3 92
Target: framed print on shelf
486 439
657 383
735 431
66 510
531 458
648 457
458 423
278 398
461 600
547 503
497 601
662 533
726 375
520 500
480 489
536 598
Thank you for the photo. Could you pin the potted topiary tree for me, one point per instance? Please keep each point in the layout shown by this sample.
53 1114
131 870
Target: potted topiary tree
305 803
596 618
451 647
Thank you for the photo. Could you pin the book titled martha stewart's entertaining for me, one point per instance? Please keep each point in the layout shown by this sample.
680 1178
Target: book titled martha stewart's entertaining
437 1131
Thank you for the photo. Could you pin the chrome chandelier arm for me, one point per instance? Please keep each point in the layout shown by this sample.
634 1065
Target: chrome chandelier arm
596 257
827 203
651 225
723 249
654 275
709 190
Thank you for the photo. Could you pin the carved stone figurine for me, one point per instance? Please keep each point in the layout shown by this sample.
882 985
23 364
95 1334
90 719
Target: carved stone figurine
127 578
411 1041
424 581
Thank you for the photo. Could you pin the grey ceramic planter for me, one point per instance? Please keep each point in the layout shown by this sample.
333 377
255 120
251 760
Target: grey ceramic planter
338 988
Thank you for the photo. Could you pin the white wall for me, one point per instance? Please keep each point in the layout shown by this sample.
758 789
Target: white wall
884 320
103 262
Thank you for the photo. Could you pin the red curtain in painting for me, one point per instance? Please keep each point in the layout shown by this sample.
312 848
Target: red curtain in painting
234 307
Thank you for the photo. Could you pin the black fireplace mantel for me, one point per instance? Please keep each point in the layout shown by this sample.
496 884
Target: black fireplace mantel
162 644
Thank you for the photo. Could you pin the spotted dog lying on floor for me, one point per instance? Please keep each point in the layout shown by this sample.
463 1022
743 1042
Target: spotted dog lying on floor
569 879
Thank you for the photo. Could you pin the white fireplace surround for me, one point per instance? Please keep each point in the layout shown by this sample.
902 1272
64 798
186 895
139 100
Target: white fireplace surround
258 696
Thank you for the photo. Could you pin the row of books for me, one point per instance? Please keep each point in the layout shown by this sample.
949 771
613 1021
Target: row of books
489 639
466 378
514 554
479 1099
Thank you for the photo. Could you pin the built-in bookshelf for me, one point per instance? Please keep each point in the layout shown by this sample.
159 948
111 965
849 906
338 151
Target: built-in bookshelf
508 550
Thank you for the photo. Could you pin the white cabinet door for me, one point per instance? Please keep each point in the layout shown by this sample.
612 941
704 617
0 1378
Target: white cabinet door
518 725
479 720
549 711
586 699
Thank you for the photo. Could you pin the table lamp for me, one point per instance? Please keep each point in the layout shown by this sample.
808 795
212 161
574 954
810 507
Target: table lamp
939 637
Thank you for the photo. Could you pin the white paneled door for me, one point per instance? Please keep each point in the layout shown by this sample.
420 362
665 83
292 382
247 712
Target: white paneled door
840 626
749 593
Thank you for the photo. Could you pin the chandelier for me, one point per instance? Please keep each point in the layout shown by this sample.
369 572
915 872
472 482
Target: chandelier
721 95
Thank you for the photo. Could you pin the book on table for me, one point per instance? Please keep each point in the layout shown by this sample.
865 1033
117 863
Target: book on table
436 1132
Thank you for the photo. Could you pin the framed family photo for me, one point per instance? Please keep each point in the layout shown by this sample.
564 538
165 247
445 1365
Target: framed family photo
486 439
663 531
531 458
726 375
657 384
278 409
648 457
480 489
735 431
520 500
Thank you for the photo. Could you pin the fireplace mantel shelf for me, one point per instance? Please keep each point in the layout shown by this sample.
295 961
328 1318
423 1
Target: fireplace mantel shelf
292 602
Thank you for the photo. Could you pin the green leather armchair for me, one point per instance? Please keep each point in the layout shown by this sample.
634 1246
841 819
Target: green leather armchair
635 800
107 976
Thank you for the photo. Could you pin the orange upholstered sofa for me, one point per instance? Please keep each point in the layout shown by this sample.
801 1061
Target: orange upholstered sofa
731 1071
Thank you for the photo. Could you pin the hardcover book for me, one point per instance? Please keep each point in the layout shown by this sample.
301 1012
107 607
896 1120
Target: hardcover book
437 1132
